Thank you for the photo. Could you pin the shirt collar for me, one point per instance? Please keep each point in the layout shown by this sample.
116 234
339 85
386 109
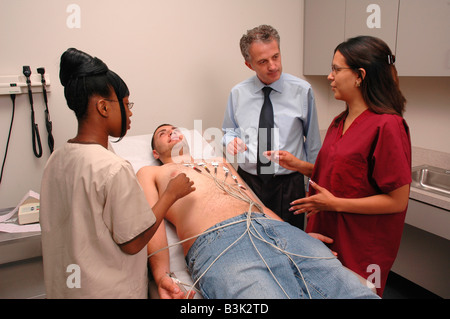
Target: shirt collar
277 85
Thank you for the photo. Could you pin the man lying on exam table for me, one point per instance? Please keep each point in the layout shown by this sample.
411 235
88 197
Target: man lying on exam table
234 246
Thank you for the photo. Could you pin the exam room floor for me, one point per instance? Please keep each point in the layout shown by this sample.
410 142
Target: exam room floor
398 287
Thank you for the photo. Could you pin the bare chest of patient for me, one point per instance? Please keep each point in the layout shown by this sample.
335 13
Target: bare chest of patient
207 197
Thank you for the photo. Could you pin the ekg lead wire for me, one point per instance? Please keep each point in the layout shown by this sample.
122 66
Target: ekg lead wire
236 192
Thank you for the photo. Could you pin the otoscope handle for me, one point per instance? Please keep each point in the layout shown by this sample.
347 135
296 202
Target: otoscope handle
27 73
41 71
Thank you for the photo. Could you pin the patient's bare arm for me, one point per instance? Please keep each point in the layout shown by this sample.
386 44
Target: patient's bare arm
160 262
160 266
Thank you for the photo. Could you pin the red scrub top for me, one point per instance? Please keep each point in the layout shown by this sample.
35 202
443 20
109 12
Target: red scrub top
372 157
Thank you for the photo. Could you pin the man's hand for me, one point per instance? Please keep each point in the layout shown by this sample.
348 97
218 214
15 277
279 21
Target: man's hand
236 146
168 289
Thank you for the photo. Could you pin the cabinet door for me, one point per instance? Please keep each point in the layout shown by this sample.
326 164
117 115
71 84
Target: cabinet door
323 31
423 45
376 18
330 22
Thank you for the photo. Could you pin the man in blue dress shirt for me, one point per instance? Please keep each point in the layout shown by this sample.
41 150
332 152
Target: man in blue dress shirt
294 120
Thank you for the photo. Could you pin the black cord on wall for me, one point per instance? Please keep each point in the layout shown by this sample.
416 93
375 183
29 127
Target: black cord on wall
13 99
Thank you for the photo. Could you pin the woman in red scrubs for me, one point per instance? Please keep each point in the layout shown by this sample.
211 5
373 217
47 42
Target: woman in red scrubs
360 182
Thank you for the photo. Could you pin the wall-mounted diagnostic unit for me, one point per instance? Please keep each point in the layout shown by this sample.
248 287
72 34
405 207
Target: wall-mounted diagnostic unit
17 84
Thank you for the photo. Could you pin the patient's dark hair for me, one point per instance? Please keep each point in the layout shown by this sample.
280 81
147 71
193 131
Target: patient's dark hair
84 76
153 140
153 136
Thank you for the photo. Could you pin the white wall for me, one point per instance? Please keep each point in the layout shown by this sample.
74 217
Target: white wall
179 58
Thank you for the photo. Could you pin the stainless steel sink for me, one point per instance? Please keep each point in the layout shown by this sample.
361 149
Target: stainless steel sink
433 179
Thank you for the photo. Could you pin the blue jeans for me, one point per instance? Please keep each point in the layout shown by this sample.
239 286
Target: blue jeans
240 267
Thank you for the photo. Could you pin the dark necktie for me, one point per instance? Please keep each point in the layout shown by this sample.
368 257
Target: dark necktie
266 124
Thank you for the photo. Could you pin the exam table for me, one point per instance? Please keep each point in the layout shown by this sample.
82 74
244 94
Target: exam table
21 270
137 150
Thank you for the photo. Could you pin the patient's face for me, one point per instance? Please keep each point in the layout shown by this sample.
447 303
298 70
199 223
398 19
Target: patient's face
166 137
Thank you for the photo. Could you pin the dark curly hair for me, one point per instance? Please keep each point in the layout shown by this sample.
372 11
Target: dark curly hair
264 33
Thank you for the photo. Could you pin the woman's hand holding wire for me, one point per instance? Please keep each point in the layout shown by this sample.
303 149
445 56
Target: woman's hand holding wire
289 161
322 200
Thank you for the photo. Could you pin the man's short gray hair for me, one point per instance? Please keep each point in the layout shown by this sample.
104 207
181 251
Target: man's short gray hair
263 33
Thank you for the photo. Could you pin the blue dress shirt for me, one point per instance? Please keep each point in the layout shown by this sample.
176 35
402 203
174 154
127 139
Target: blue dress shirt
295 116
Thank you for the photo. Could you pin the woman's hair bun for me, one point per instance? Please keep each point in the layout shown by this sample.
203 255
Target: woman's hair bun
84 76
76 64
